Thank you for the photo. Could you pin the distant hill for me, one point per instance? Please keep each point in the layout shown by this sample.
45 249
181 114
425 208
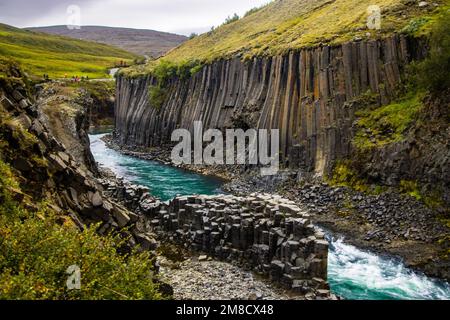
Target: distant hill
41 53
142 42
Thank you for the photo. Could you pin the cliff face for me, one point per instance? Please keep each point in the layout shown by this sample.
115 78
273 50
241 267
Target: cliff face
311 96
64 111
46 144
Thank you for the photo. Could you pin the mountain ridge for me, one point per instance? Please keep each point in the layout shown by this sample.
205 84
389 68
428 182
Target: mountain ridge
147 42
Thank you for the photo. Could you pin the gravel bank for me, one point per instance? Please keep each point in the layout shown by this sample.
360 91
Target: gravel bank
214 280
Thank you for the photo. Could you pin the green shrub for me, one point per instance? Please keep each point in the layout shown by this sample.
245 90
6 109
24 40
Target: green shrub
166 71
345 176
157 95
255 9
433 72
57 56
139 61
36 249
99 90
415 25
231 19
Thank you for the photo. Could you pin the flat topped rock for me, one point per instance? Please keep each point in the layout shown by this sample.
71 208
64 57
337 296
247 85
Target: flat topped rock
97 200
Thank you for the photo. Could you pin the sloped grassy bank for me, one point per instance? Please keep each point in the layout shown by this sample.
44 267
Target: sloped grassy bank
51 211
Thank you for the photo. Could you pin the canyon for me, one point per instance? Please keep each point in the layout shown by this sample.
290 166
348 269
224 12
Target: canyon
311 96
357 208
314 97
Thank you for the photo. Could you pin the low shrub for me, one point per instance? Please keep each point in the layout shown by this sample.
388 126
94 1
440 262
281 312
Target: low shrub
164 72
157 95
433 72
37 248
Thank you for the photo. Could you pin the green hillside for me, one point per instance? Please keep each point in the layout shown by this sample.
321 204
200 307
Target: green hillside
285 25
289 24
40 53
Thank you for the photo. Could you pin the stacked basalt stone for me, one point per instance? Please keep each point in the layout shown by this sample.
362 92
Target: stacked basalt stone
263 232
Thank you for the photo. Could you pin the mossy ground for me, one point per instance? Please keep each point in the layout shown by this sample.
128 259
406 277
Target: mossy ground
38 244
387 124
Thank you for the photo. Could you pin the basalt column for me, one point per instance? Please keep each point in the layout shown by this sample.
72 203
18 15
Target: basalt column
310 96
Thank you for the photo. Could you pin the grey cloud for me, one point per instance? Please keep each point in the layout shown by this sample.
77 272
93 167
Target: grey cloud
183 16
25 13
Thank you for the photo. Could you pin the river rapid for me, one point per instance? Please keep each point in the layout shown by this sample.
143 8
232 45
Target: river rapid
352 273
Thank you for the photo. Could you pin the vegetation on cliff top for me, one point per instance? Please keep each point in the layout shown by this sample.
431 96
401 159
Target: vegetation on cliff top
163 72
286 25
433 73
37 244
387 124
378 126
57 56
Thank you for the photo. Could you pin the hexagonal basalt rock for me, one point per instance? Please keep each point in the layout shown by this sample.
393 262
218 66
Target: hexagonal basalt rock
267 233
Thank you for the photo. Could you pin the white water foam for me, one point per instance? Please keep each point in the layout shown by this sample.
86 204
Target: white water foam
357 274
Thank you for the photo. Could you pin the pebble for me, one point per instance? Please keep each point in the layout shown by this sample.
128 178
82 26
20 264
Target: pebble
215 280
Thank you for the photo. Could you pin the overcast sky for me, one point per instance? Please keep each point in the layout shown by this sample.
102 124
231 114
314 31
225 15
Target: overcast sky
179 16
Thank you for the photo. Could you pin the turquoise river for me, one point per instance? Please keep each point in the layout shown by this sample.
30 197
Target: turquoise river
353 273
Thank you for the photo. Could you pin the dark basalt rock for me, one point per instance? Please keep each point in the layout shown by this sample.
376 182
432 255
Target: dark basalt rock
266 233
311 96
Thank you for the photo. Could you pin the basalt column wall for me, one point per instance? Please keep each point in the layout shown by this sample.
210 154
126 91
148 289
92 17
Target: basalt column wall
310 95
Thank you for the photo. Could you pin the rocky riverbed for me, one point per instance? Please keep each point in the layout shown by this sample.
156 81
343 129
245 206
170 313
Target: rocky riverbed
387 223
214 280
277 243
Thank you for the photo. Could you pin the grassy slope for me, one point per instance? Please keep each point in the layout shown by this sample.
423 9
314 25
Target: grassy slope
38 242
40 53
290 24
286 25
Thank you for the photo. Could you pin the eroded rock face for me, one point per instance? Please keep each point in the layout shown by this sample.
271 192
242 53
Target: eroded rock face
263 232
311 96
64 113
49 169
